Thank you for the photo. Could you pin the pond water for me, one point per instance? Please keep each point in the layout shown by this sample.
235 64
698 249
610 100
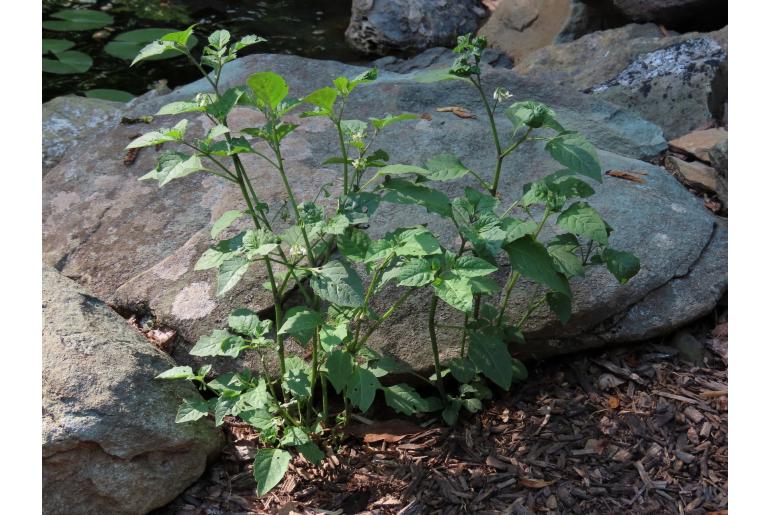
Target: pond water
310 28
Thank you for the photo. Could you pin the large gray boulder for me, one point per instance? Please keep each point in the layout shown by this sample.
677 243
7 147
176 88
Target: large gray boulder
110 443
667 80
68 120
379 27
136 245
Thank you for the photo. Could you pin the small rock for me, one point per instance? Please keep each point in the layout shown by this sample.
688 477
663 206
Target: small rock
690 348
697 174
699 143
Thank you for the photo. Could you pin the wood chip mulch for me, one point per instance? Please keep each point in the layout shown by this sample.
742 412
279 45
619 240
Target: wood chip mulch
633 430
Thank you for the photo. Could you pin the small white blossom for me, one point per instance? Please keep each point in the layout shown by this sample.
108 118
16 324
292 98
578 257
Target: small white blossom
501 95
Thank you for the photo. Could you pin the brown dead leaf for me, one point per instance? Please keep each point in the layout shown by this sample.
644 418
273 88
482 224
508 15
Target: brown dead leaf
426 116
629 176
613 402
457 111
535 483
391 431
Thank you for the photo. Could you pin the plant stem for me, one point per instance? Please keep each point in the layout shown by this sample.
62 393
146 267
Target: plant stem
530 310
385 316
344 157
434 346
493 126
324 399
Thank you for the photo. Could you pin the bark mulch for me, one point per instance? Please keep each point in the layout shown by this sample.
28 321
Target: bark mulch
631 430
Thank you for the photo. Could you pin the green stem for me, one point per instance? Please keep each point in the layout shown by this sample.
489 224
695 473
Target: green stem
385 316
530 310
434 346
493 126
344 157
324 400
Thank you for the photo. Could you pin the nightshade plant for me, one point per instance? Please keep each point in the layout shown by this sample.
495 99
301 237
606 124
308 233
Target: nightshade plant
324 253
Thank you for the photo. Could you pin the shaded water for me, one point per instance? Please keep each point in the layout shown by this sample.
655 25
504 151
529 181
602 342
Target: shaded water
310 28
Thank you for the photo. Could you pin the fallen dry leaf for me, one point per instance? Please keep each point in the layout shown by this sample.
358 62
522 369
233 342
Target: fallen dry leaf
390 431
629 176
613 402
457 111
426 116
535 483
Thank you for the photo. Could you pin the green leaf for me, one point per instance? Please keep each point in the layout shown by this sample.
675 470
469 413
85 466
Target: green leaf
177 373
323 99
490 356
333 335
230 272
175 133
219 38
192 409
451 411
532 114
515 229
623 265
269 88
462 369
455 291
381 123
180 38
78 19
225 221
259 242
217 254
339 284
294 436
404 399
562 251
399 191
445 167
56 46
471 266
414 241
582 220
245 41
297 382
270 465
224 406
114 95
519 370
311 452
219 343
227 382
576 153
340 369
128 45
353 244
413 273
362 387
561 305
532 260
174 165
180 107
222 106
68 62
245 321
301 323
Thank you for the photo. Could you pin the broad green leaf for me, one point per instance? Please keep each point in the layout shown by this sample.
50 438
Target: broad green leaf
582 220
114 95
515 229
623 265
311 452
576 153
532 114
269 88
340 369
531 259
404 399
257 397
219 343
225 221
78 19
413 273
561 305
230 272
472 405
177 373
451 411
519 370
245 41
179 108
219 38
415 241
231 147
333 335
294 436
152 50
339 284
301 323
259 242
181 37
323 99
445 167
490 356
128 45
175 133
362 387
297 382
354 244
174 165
399 191
381 123
227 382
471 266
258 418
399 169
562 250
462 369
192 409
224 406
434 75
67 62
245 321
55 46
270 465
217 254
455 291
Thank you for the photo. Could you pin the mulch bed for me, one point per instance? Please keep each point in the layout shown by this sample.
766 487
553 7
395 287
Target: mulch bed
630 430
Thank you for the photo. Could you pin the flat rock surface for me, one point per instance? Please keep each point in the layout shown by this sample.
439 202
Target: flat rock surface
668 80
110 443
135 245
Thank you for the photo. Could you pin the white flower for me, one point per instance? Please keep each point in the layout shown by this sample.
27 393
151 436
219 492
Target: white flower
501 95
